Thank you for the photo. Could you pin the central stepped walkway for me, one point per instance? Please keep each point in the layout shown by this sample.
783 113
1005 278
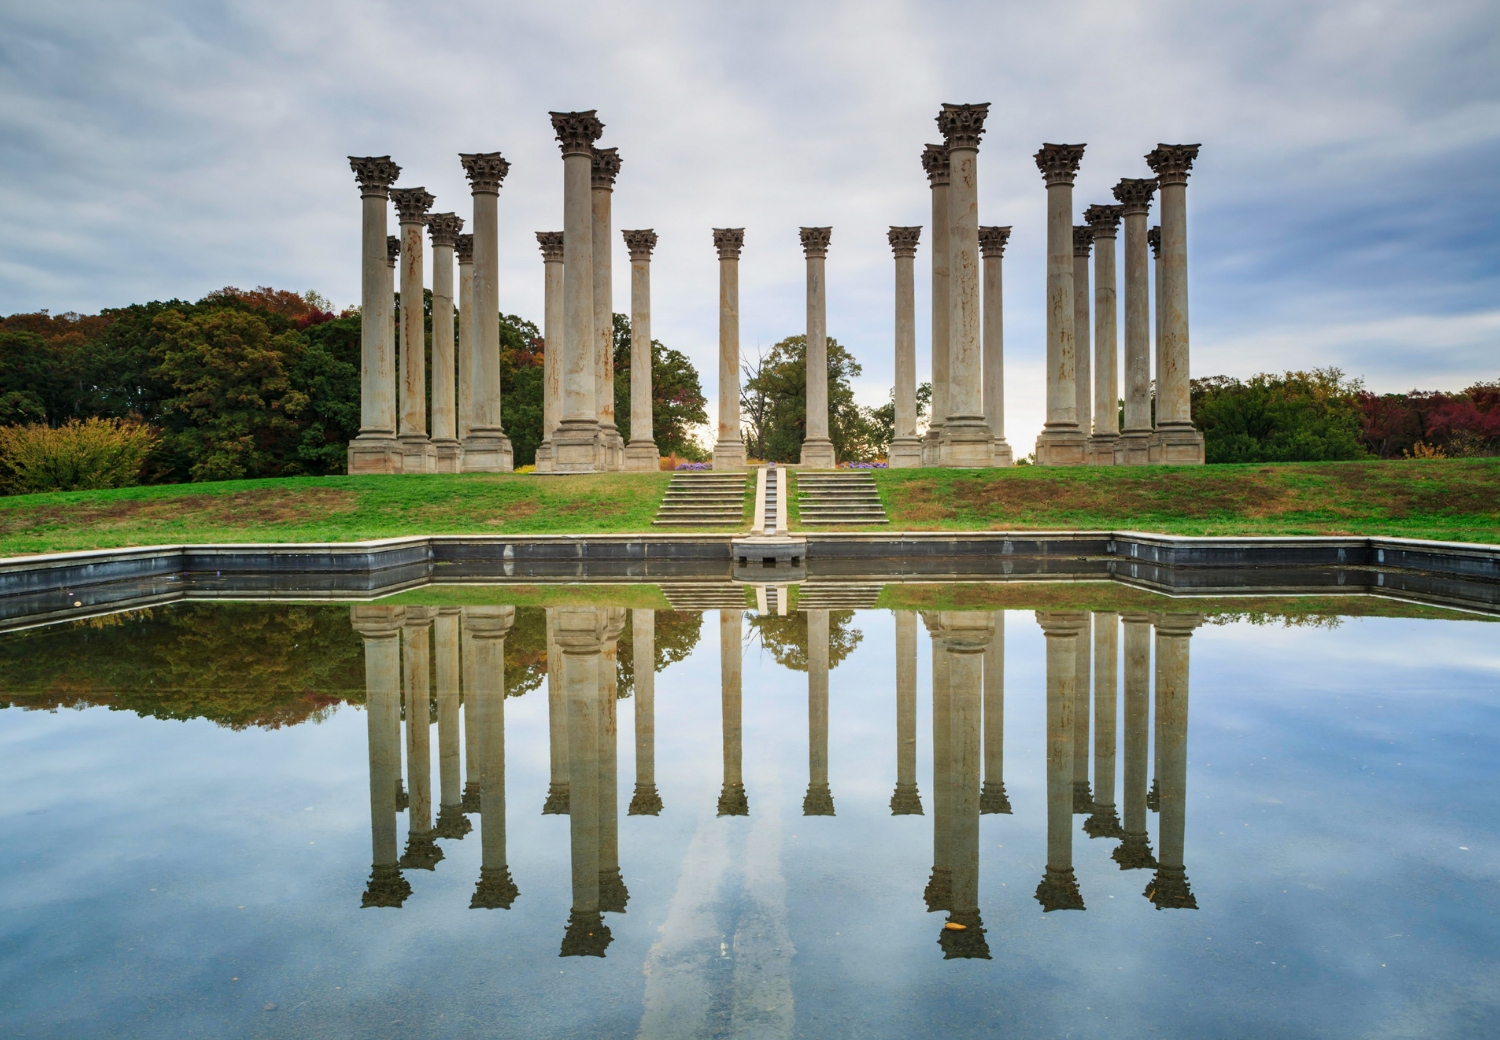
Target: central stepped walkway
842 596
704 595
703 500
839 497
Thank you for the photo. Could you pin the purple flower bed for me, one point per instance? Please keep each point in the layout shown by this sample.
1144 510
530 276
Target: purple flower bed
862 465
695 465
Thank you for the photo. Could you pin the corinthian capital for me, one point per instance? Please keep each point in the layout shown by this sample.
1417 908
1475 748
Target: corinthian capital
1171 162
729 241
935 162
485 171
1083 239
576 131
904 240
992 240
1059 162
463 247
392 250
552 246
443 228
1153 239
1105 220
640 243
412 204
815 240
606 166
375 173
962 125
1134 194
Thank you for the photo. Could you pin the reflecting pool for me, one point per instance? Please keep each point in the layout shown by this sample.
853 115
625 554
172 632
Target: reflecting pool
1058 809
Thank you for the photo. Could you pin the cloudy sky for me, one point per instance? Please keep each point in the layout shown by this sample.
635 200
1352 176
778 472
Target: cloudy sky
1343 210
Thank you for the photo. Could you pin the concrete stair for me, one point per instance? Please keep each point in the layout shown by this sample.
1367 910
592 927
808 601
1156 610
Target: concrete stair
703 500
841 596
846 497
704 595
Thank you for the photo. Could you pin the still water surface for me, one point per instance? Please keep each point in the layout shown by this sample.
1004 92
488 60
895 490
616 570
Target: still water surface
618 822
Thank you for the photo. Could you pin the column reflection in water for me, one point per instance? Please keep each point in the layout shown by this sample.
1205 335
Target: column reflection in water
613 894
580 637
1134 851
819 799
1083 799
422 852
992 797
557 724
1105 822
645 801
907 800
472 754
732 800
1059 888
381 628
1169 888
485 629
936 894
445 637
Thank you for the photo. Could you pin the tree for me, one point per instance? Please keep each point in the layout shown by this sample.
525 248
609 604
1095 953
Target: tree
1297 417
775 394
786 637
677 401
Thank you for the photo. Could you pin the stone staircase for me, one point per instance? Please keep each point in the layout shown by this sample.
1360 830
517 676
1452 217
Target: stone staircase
839 497
838 595
703 500
704 595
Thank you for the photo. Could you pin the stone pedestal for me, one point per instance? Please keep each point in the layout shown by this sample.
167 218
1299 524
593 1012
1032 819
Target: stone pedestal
641 454
605 168
412 205
905 450
551 243
935 163
373 450
817 448
486 448
1062 441
729 446
442 230
1105 222
576 446
992 249
1134 449
1178 442
1083 247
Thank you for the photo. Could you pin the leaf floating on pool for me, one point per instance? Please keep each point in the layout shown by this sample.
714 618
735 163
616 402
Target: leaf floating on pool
954 926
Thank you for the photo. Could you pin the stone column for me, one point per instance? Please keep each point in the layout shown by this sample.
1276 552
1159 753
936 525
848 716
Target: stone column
992 798
1169 889
605 168
936 894
443 229
1105 222
817 448
819 799
486 449
613 894
905 451
992 248
580 634
412 205
1134 195
422 852
967 441
907 800
552 338
1083 245
641 454
381 629
1063 441
374 449
463 247
732 800
576 442
445 635
1153 239
645 801
557 724
729 449
935 163
1083 798
1134 851
485 629
1105 821
473 721
1178 441
1059 888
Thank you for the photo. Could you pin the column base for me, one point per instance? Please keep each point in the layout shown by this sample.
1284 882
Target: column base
729 454
374 453
966 444
447 456
1133 448
544 456
1062 446
907 801
932 452
575 447
487 451
642 457
817 453
1180 444
904 453
612 448
416 452
1102 449
1002 453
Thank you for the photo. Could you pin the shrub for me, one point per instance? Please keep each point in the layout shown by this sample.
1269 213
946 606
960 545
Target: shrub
1297 417
79 455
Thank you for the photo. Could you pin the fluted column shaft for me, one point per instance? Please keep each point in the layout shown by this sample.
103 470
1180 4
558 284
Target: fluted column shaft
992 249
576 443
1059 888
442 229
729 448
1135 197
602 195
1063 441
465 335
645 801
485 629
486 449
935 161
1169 889
612 892
580 638
1153 239
937 894
1105 821
380 627
906 801
1177 440
1083 244
551 243
817 448
445 638
377 361
819 799
732 800
1083 800
1104 221
905 450
1134 852
413 333
416 645
641 453
557 723
992 797
473 721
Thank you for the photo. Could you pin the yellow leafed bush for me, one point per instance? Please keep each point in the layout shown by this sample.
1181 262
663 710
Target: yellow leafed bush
79 455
